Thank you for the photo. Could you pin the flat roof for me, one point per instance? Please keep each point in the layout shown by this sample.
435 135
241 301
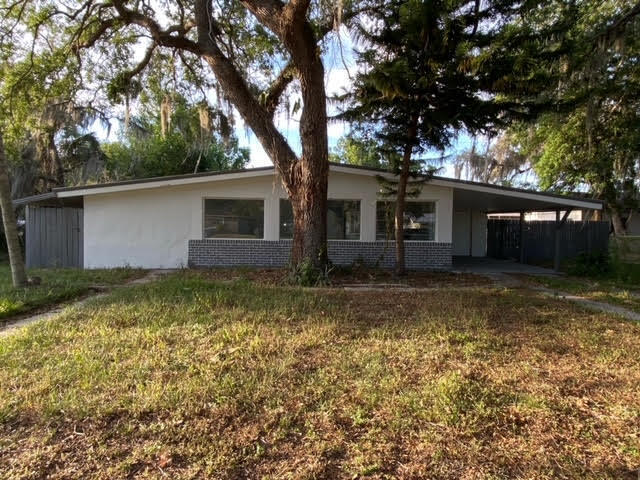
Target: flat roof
530 198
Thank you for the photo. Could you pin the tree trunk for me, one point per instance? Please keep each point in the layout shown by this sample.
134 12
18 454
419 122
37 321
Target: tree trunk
401 197
306 178
18 272
309 204
619 227
308 185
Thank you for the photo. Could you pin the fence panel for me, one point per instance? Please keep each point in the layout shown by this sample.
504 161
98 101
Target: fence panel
503 239
53 237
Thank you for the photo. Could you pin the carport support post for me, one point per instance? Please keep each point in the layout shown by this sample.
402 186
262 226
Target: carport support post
559 224
522 237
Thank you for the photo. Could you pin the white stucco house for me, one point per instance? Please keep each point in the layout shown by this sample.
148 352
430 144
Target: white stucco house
244 218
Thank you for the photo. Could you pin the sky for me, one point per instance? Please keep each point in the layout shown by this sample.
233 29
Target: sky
340 68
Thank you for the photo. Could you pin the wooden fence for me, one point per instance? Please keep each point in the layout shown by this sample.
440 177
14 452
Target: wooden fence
54 237
503 239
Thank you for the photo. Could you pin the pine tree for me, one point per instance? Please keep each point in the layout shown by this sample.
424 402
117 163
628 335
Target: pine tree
425 75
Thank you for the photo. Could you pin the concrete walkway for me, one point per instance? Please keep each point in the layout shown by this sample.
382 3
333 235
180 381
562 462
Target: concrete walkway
499 272
13 326
509 281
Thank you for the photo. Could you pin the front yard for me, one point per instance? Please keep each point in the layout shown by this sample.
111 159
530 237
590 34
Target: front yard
189 377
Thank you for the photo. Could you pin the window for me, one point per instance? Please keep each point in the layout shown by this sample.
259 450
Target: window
419 221
233 218
343 219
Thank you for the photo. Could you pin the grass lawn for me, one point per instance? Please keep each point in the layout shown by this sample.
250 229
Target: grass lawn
58 285
191 378
608 291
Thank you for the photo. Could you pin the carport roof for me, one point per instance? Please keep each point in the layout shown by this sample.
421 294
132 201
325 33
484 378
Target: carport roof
466 194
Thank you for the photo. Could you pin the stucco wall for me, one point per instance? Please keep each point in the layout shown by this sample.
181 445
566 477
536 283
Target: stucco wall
151 228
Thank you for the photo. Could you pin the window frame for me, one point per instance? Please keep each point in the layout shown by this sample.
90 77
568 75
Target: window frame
264 214
359 239
412 200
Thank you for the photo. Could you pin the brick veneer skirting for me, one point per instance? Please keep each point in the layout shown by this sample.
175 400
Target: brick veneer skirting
266 253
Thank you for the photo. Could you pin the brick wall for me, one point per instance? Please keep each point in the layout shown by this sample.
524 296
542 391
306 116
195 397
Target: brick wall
265 253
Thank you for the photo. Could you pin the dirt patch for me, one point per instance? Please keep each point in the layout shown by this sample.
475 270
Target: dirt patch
349 277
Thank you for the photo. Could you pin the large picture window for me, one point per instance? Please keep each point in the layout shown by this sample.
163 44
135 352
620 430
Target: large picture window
233 218
343 219
419 221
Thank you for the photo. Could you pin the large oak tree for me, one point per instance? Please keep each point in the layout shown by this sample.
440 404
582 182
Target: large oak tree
256 51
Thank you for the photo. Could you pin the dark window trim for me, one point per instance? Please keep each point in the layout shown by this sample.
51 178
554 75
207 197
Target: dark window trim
435 222
264 211
359 200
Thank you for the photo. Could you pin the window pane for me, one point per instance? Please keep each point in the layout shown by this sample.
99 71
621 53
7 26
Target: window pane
286 219
233 218
419 221
343 219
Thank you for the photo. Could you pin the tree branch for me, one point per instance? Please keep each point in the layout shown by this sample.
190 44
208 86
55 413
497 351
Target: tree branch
143 63
612 30
277 88
161 37
268 12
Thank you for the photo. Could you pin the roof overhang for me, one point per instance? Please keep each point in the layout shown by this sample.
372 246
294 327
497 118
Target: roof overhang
49 199
501 200
491 198
479 196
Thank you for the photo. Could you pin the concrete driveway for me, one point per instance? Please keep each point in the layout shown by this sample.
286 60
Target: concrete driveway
485 265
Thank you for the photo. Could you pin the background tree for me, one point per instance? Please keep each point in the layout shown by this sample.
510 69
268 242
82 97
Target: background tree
590 140
500 162
28 83
18 273
362 150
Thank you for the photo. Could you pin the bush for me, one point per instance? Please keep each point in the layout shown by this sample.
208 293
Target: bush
307 275
594 264
604 265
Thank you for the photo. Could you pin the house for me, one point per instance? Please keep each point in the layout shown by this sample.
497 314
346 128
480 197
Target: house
244 218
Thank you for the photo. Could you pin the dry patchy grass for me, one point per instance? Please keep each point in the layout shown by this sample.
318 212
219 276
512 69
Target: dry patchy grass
189 378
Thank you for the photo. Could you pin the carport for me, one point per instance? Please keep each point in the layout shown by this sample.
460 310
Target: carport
472 202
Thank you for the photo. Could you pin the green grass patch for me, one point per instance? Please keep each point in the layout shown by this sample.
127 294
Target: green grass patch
192 378
57 285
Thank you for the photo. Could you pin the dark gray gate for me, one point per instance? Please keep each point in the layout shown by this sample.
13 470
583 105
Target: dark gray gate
54 237
503 239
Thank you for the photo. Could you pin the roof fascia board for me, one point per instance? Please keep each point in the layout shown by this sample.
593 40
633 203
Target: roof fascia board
162 183
438 181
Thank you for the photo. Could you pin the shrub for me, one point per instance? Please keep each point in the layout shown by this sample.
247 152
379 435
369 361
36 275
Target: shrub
604 265
593 264
307 275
